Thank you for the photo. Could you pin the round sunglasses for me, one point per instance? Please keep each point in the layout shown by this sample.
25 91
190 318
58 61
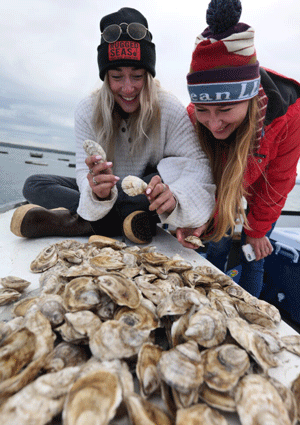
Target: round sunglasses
135 31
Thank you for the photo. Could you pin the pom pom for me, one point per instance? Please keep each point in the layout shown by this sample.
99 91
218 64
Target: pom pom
223 14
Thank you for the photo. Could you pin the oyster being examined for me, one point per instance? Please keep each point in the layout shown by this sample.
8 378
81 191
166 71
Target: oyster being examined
93 148
194 240
133 186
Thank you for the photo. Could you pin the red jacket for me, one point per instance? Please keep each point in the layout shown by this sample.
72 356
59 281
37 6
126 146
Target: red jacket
271 172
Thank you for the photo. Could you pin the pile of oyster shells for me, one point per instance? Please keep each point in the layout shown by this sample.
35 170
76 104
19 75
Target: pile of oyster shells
126 334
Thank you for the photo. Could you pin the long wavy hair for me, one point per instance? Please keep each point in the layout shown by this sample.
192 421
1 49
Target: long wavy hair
143 122
228 163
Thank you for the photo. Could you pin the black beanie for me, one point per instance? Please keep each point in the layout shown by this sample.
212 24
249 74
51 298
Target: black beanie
125 51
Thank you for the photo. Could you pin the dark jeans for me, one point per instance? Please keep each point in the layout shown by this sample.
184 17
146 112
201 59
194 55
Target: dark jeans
252 271
51 191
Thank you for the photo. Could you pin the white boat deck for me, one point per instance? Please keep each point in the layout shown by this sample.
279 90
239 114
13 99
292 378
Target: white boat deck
16 255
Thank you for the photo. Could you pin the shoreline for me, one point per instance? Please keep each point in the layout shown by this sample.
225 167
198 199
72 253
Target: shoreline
35 148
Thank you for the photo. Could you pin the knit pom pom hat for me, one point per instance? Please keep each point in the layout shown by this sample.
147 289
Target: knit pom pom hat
125 51
224 67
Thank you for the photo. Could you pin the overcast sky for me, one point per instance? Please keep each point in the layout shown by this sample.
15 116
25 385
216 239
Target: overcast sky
49 55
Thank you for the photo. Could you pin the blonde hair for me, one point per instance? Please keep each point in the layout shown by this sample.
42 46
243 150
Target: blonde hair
141 123
229 179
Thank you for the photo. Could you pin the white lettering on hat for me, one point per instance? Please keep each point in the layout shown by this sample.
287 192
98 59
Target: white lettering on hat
224 92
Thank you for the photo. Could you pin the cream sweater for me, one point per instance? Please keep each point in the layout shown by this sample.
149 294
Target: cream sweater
179 159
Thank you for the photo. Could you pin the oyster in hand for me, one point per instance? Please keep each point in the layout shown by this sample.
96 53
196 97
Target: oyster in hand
93 148
133 186
194 240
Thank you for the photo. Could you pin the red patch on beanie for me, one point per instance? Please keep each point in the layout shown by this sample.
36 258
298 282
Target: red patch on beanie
124 50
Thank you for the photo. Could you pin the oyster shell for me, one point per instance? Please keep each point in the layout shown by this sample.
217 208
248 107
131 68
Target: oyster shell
133 186
106 263
65 355
253 314
8 295
151 291
183 401
46 259
104 241
116 340
273 340
144 412
121 290
257 401
93 148
288 399
224 366
252 342
199 414
71 256
146 368
194 240
181 300
16 351
93 399
7 328
181 367
142 317
51 306
106 309
39 401
207 327
79 326
14 282
37 323
21 307
81 294
295 387
292 343
17 382
220 400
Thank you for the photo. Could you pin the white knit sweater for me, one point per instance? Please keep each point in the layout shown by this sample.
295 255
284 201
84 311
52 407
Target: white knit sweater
179 159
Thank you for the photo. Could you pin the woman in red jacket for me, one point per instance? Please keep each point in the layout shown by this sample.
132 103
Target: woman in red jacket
248 122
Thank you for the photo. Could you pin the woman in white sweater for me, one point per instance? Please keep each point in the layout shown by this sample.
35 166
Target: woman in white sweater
144 132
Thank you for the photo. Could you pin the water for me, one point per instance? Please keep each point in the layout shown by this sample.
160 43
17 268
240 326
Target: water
14 171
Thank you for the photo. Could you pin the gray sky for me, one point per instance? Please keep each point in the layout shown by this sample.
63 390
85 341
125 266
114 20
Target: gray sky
49 55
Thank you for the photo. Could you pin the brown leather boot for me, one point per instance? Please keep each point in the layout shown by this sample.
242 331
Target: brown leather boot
138 228
33 221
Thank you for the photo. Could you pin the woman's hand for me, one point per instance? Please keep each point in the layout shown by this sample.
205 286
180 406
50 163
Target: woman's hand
100 176
160 196
184 232
262 246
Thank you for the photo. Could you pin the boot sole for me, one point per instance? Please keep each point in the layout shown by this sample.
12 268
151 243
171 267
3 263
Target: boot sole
18 217
136 227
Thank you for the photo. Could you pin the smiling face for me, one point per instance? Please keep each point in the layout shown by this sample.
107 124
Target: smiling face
126 84
222 120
